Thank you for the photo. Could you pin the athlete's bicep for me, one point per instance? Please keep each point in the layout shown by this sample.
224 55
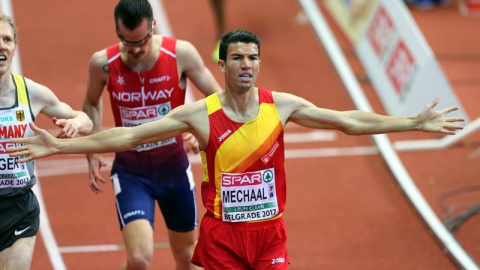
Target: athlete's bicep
191 64
97 77
300 111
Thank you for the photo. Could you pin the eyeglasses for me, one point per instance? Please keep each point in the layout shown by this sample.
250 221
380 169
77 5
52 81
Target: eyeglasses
136 43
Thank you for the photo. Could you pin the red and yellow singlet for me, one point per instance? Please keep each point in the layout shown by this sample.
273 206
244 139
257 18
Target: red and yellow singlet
244 173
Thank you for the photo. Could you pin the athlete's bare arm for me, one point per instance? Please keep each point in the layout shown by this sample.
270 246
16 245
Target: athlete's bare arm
43 100
191 64
93 106
97 79
191 118
298 110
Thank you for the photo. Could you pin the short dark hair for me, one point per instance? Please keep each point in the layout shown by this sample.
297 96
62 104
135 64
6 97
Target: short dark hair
132 13
236 36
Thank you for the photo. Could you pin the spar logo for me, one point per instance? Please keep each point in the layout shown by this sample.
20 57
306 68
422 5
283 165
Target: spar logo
5 145
247 179
267 176
164 109
139 113
401 68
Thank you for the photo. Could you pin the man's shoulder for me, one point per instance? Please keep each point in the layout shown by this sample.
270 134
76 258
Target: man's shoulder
283 98
36 90
99 58
184 47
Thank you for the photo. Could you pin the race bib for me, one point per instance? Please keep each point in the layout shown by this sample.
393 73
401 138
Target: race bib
248 196
12 173
132 117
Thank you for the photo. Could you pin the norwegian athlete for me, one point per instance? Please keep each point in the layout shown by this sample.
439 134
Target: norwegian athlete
146 77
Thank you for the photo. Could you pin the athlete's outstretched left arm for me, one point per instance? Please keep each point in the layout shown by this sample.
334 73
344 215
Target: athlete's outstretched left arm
300 111
111 140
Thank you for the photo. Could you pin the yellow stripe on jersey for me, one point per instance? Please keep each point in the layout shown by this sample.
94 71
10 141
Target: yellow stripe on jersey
213 103
21 89
232 156
203 155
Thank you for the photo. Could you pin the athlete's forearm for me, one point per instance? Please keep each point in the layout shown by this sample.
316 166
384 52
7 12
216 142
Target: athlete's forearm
361 122
110 140
95 113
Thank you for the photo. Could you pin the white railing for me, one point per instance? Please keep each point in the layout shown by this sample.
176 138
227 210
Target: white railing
454 249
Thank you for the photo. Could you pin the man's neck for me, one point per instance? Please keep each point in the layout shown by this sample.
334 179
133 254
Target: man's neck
240 106
5 82
7 91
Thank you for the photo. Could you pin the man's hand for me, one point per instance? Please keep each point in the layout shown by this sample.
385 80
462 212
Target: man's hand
430 120
95 163
190 143
69 127
43 145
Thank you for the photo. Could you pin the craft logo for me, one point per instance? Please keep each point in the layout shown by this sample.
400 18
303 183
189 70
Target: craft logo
400 68
121 80
165 78
20 115
380 32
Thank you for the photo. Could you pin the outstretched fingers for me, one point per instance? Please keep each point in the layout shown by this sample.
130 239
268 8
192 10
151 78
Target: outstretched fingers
452 126
449 110
21 153
25 159
18 151
448 132
454 119
451 129
434 103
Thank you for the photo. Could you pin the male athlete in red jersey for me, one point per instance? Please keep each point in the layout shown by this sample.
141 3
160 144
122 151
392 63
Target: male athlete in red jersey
146 76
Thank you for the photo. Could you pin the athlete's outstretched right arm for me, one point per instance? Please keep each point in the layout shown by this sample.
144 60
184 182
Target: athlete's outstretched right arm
182 119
